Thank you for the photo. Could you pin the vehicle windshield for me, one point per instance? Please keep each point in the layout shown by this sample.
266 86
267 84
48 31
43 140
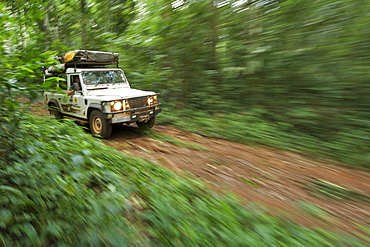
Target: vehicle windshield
104 77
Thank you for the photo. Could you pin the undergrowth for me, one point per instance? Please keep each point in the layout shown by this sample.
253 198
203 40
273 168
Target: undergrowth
61 187
330 190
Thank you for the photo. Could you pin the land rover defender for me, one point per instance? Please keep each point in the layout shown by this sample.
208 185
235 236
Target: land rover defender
100 96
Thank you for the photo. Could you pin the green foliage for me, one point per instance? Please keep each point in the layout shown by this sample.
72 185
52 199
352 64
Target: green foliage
72 24
60 195
325 188
314 210
365 230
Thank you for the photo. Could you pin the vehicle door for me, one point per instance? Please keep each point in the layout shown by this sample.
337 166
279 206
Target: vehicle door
59 95
76 100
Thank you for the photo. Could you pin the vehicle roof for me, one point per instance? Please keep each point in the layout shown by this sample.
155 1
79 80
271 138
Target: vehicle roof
73 70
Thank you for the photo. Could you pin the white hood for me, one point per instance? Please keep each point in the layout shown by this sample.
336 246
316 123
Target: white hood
118 93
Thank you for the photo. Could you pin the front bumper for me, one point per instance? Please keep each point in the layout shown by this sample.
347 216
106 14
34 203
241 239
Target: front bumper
134 115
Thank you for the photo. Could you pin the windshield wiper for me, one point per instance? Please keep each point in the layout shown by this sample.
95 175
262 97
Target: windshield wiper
117 82
97 83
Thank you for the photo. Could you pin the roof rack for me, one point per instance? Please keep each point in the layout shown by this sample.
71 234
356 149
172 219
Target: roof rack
86 58
87 64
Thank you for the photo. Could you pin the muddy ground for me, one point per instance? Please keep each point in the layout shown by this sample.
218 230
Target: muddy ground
284 183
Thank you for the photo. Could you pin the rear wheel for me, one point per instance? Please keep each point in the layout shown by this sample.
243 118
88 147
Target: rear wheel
55 111
146 125
99 125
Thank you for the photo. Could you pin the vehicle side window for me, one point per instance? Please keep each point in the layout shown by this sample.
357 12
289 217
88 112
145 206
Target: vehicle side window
75 79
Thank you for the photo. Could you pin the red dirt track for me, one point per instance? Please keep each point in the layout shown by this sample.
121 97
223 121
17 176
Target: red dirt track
277 180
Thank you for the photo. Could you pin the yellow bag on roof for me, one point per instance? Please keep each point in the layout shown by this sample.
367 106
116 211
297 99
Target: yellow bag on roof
68 56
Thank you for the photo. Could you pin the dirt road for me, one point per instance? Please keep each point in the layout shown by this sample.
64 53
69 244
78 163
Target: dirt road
284 183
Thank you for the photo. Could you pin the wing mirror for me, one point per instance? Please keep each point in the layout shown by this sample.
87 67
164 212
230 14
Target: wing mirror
75 86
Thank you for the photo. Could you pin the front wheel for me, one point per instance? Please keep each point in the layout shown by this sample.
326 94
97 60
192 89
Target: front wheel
99 125
146 125
55 111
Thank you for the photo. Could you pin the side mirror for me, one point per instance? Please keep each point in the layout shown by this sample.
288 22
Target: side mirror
75 86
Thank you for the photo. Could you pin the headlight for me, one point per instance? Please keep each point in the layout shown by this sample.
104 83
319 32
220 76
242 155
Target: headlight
116 105
152 100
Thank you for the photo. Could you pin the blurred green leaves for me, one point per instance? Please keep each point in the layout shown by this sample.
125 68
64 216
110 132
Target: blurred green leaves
51 194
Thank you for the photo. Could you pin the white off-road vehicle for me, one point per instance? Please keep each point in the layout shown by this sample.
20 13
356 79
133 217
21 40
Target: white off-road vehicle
99 95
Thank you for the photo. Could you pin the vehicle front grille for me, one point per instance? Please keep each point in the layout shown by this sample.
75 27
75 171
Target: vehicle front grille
137 102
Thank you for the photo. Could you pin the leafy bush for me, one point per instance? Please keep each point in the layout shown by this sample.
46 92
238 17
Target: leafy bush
58 188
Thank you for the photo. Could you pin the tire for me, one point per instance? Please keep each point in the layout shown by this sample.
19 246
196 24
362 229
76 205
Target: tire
99 125
147 125
55 111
